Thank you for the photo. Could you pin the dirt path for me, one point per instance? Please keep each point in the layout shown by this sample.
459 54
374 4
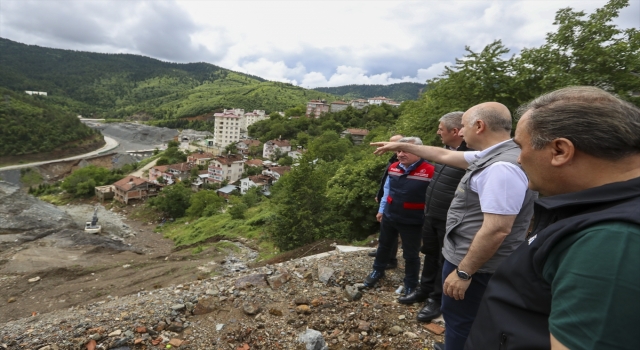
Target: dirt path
75 275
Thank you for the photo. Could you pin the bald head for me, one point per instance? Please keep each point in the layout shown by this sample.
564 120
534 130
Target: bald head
395 138
496 116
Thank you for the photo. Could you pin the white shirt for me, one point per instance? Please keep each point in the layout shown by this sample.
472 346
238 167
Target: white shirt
501 186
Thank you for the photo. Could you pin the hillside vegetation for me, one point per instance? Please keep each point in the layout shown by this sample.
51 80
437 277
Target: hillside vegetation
398 92
29 124
122 85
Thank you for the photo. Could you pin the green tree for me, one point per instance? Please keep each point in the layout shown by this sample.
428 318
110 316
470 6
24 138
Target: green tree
351 192
83 181
329 147
237 208
300 205
173 200
204 202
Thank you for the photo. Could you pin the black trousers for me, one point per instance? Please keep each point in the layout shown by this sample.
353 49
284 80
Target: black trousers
410 235
433 232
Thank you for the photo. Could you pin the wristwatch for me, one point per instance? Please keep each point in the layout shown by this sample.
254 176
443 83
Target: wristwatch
463 275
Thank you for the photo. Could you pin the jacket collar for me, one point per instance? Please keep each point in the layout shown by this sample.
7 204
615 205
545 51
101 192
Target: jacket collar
612 192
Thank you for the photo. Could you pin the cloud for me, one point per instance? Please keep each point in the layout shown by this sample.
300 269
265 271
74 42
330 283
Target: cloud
311 43
160 29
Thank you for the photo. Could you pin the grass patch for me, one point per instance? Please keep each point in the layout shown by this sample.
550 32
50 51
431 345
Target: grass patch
226 246
186 231
144 213
30 177
57 199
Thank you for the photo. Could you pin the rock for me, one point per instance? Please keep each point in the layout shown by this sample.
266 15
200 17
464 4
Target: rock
11 300
178 307
35 279
313 340
204 306
308 276
275 312
395 330
244 346
175 342
251 308
219 327
91 345
364 326
316 302
212 292
161 326
402 317
276 281
115 333
303 309
410 335
141 329
434 328
175 327
256 280
301 301
352 293
324 274
353 338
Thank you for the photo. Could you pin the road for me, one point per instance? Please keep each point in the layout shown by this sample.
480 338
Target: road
110 144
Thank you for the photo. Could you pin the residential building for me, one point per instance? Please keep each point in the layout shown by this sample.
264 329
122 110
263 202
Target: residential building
244 146
227 127
262 181
199 158
133 187
254 162
180 171
276 172
296 154
359 103
315 108
252 117
226 191
272 147
228 167
357 135
381 99
156 172
105 192
36 93
337 106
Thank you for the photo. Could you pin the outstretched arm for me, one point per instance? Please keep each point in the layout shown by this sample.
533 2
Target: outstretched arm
436 154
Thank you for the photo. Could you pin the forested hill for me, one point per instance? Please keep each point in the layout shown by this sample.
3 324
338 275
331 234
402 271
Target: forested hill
398 92
28 124
121 85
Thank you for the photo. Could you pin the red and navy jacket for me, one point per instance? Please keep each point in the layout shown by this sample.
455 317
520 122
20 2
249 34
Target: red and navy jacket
405 202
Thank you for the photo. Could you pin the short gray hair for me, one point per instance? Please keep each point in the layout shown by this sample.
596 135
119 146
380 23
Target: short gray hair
492 119
411 139
595 121
452 120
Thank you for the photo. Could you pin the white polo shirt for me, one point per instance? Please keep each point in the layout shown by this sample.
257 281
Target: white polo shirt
501 186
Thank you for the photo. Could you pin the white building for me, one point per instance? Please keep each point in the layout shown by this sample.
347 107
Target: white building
231 125
227 127
381 99
276 172
262 181
271 147
229 167
359 103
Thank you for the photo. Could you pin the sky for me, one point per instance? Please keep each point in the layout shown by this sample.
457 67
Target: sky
306 43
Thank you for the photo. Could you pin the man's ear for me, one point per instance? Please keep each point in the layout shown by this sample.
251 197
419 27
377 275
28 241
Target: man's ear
456 131
480 125
562 151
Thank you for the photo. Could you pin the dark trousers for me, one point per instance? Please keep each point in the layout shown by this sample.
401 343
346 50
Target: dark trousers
411 238
433 232
459 314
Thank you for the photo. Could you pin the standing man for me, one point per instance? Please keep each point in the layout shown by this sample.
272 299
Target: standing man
402 214
488 217
438 199
381 199
574 282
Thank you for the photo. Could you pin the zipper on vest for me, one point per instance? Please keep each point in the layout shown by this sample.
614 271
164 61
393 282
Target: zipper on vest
503 341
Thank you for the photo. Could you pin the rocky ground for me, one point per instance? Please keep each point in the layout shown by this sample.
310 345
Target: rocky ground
270 307
128 288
